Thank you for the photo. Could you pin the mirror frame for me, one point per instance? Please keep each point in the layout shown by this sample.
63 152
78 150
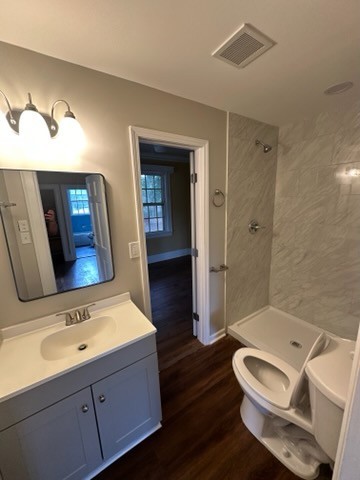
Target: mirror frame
8 240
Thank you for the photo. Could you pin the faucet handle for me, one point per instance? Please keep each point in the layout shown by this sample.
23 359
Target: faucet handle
69 317
86 314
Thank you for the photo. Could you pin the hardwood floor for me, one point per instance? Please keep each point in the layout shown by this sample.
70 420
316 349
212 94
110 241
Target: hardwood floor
171 300
202 435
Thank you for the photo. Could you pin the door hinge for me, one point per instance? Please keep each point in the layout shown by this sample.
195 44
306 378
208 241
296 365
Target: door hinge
193 178
195 316
194 252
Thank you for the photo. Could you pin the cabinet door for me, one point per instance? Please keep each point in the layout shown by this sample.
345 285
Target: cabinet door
60 442
127 405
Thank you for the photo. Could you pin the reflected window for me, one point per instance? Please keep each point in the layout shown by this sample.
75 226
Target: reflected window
155 189
78 201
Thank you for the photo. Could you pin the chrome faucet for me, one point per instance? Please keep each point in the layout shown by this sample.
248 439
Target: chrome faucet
86 314
75 316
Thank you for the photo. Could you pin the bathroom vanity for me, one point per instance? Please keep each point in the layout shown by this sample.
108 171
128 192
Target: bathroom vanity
67 412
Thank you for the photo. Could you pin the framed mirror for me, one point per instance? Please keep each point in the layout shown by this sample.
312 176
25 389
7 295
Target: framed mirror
57 230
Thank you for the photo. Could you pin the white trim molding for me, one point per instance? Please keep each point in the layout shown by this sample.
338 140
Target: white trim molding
200 148
214 337
160 257
39 233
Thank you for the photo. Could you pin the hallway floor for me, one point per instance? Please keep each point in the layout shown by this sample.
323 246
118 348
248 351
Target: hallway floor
202 435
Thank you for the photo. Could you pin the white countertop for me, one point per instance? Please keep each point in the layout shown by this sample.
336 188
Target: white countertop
22 365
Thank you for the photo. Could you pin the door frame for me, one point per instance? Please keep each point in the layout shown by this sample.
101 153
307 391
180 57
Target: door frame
200 148
39 233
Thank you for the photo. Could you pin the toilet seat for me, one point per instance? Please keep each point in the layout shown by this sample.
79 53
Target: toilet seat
284 378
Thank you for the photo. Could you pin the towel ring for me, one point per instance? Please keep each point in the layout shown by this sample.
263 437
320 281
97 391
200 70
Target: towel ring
220 202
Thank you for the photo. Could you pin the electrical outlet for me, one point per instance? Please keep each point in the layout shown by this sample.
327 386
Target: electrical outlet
134 249
25 238
23 225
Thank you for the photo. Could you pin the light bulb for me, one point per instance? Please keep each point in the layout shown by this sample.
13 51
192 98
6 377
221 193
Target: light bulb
34 135
71 136
33 128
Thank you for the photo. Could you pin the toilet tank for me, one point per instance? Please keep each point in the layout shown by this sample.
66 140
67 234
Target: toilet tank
329 375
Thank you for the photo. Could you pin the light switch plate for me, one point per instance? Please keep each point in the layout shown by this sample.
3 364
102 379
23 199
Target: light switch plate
25 237
23 225
134 249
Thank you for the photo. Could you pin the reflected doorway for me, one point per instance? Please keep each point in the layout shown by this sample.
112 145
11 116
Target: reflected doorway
75 264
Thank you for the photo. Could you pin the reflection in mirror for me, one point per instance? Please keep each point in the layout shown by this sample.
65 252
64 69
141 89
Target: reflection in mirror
57 230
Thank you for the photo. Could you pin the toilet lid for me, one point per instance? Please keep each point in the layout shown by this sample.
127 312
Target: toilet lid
275 379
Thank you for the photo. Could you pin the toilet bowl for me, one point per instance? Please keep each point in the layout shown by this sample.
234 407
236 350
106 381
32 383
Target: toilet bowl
279 411
269 379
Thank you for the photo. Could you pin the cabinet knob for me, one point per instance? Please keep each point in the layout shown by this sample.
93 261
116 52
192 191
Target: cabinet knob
102 398
84 408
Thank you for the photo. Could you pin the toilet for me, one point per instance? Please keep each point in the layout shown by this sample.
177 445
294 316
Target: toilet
296 413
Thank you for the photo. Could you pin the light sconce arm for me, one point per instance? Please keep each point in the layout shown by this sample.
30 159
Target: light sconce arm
12 119
68 113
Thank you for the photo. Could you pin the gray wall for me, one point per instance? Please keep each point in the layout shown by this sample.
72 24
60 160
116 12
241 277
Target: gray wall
106 106
251 188
315 272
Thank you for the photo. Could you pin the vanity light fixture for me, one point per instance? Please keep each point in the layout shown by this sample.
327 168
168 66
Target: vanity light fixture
31 123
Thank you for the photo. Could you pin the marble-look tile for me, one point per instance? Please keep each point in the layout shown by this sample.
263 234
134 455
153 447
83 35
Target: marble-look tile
263 132
347 146
315 266
289 157
335 321
308 182
316 152
337 210
251 187
292 133
307 154
284 234
288 183
323 124
238 126
354 210
351 117
327 182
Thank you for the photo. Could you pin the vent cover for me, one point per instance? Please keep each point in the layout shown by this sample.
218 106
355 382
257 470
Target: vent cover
244 46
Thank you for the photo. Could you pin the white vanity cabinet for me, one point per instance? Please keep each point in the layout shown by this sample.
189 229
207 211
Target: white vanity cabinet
57 442
127 405
71 426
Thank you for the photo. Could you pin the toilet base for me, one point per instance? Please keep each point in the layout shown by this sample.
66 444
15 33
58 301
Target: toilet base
294 453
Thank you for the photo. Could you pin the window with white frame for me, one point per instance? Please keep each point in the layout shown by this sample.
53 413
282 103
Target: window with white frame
155 190
78 201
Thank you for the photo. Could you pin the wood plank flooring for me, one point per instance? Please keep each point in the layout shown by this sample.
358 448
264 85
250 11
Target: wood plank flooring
202 435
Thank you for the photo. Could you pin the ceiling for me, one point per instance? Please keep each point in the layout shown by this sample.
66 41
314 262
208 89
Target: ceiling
167 44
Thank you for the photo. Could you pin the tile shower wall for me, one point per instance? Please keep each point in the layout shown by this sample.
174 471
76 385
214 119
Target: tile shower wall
315 268
251 189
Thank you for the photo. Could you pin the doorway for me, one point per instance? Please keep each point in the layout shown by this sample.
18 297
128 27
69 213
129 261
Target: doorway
198 162
167 203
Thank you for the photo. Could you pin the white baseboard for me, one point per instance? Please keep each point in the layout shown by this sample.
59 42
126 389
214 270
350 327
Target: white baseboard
159 257
216 336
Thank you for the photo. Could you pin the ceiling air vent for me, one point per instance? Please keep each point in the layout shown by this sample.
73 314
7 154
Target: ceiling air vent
244 46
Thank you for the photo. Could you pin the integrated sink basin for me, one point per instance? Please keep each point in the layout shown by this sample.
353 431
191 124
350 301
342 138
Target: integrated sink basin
78 338
35 352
